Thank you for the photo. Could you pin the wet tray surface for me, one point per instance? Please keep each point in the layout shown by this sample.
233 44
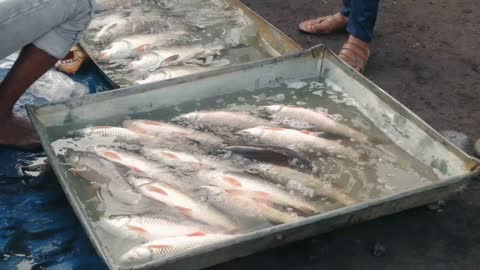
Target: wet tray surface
397 161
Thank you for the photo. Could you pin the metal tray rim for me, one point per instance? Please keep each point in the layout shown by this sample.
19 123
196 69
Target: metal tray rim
475 173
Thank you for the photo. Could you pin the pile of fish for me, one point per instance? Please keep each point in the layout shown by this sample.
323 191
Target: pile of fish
157 40
211 175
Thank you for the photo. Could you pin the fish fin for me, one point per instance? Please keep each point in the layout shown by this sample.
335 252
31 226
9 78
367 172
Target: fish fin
234 191
158 246
135 169
197 234
112 155
157 190
143 48
265 197
232 181
169 155
185 211
137 229
152 123
170 60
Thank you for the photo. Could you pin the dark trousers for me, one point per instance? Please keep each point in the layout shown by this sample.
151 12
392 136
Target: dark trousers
362 15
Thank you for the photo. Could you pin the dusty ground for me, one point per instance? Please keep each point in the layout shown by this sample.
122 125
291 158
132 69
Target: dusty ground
426 54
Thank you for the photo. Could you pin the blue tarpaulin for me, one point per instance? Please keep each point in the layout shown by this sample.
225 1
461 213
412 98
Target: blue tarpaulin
38 229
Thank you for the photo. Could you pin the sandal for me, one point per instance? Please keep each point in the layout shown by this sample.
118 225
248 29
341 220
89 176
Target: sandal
355 55
324 25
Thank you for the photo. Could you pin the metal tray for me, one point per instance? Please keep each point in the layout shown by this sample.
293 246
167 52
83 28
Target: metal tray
271 39
388 115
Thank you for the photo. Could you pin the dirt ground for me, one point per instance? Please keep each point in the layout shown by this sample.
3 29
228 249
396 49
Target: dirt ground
426 54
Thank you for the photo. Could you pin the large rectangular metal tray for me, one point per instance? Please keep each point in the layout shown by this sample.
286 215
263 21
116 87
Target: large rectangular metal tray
271 39
388 115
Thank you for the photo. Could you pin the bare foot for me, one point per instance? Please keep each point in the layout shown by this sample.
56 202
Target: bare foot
355 52
18 133
324 25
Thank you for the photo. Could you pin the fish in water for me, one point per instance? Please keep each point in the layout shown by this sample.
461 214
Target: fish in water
111 4
167 131
178 160
319 121
304 141
166 247
107 18
239 204
271 154
177 199
129 46
162 57
131 160
118 134
128 26
167 73
258 187
295 180
149 227
103 173
222 122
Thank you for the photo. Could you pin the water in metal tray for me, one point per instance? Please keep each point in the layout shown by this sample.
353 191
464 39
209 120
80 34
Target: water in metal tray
289 151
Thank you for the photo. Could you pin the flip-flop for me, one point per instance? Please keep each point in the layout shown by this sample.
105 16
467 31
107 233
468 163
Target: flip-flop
355 56
333 23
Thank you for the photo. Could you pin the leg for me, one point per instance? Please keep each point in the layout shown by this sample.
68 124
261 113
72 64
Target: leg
363 15
60 21
346 8
328 24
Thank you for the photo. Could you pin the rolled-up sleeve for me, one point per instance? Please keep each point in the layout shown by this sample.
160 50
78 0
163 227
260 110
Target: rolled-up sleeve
58 41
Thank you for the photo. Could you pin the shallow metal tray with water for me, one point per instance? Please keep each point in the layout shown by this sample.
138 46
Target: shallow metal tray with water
401 125
272 41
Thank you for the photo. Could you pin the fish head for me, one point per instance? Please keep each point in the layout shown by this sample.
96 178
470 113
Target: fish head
257 168
157 76
187 118
84 132
145 62
73 158
269 110
115 50
141 253
250 134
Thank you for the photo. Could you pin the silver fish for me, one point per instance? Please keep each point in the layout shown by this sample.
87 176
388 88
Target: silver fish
149 227
221 121
295 180
108 18
111 4
261 189
126 26
167 131
103 173
117 134
304 141
180 160
317 120
175 198
131 45
239 203
162 57
133 161
166 247
272 154
167 73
